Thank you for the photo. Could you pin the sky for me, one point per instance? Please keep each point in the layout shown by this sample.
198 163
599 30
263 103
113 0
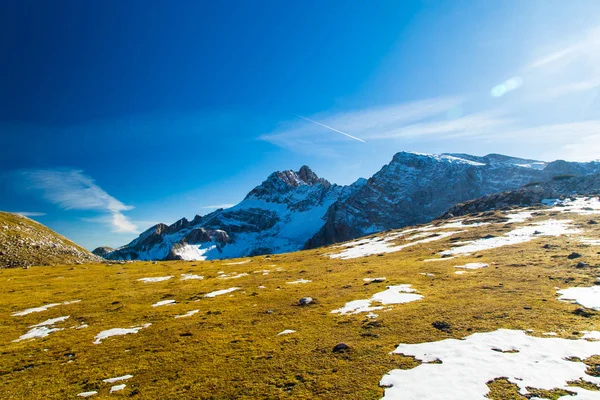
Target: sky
116 115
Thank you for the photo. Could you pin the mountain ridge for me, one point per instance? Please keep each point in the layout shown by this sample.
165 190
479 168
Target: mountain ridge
293 210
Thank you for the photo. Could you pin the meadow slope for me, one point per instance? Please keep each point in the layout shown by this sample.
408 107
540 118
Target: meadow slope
512 265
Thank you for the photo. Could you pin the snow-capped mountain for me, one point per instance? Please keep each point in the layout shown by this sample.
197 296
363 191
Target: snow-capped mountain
294 210
275 217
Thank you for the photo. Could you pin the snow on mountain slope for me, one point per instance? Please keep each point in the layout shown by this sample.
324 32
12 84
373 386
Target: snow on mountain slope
292 210
275 217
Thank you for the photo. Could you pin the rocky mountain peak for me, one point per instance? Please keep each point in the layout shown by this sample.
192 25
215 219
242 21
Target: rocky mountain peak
304 176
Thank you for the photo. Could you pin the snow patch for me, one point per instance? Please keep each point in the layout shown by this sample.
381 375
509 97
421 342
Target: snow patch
118 332
220 292
87 394
469 363
476 265
155 279
42 308
185 277
163 303
299 281
520 235
117 379
117 388
238 262
286 332
393 295
381 245
187 314
588 297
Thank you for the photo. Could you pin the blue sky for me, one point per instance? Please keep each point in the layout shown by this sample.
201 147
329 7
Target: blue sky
116 115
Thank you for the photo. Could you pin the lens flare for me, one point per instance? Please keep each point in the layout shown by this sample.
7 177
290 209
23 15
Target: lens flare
507 86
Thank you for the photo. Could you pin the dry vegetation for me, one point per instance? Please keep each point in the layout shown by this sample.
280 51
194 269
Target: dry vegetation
230 349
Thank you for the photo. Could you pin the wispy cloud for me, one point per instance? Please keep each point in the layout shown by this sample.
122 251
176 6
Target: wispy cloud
307 137
71 189
29 213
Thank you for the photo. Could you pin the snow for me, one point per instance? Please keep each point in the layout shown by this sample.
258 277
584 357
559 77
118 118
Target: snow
591 335
238 262
476 265
393 295
233 276
42 329
117 379
51 321
299 281
87 394
590 242
379 245
42 308
185 277
163 303
469 363
191 252
520 235
117 388
518 217
426 274
580 205
36 333
118 332
460 272
220 292
286 332
187 314
155 279
375 280
588 297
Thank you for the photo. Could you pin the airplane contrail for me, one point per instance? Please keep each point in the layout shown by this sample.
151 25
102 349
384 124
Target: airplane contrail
330 128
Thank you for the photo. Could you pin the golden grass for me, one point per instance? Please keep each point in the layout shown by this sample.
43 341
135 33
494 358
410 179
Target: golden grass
230 349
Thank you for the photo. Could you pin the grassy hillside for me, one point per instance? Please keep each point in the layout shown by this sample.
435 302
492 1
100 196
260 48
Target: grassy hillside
25 242
231 348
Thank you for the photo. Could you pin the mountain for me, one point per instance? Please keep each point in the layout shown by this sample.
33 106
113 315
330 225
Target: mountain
25 242
292 210
275 217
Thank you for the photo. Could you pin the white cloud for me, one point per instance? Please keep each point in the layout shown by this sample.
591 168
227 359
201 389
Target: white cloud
73 190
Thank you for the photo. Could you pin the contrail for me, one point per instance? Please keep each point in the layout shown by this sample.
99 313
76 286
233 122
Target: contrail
330 128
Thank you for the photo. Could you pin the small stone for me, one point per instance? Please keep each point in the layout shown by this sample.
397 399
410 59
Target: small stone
546 246
581 264
573 255
592 222
341 348
305 301
442 326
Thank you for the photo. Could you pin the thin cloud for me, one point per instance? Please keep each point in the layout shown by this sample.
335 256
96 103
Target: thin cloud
332 129
71 189
306 136
29 213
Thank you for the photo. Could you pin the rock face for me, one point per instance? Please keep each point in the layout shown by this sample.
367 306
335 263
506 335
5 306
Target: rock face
25 242
530 195
292 210
415 188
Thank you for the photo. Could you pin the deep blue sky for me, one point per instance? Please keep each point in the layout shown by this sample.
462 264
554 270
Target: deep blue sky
175 107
